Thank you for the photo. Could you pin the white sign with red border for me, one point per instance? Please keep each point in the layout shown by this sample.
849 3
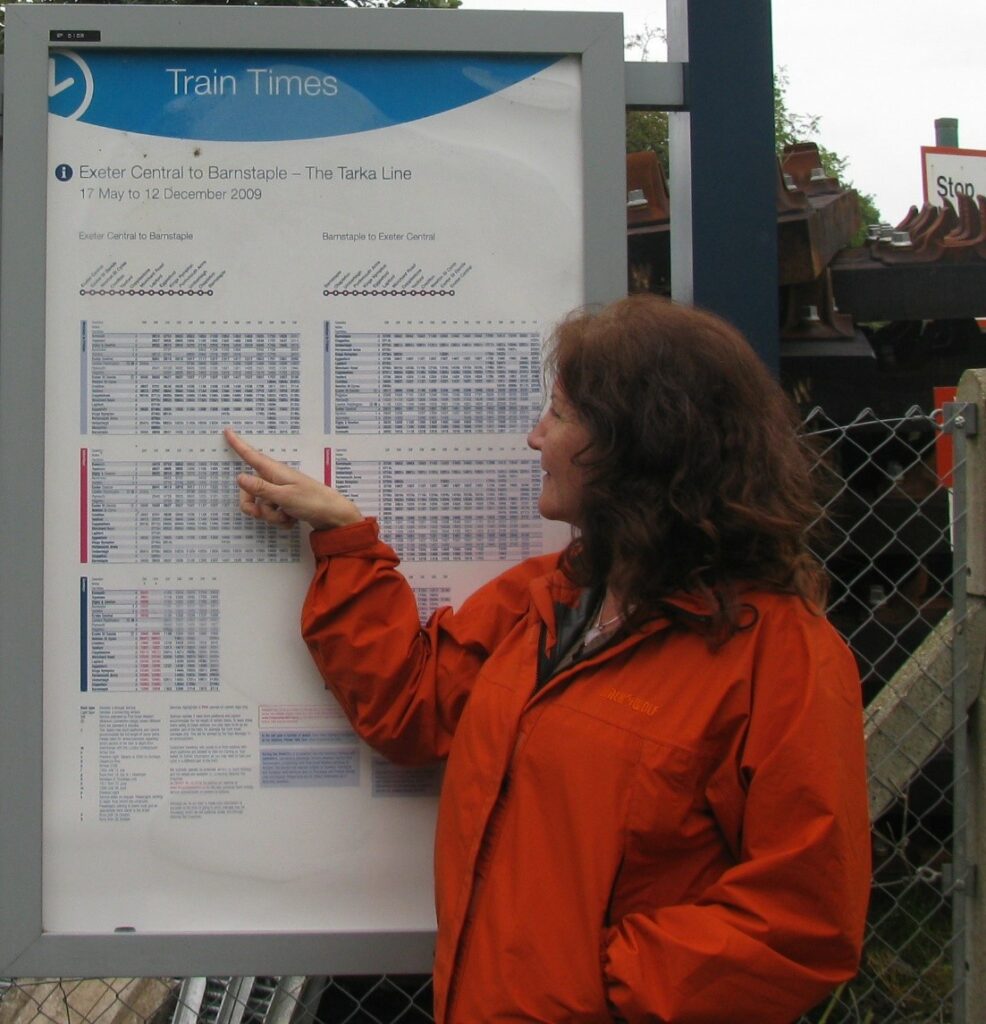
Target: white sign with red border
947 172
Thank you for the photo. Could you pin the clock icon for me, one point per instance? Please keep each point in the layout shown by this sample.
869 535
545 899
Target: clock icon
70 85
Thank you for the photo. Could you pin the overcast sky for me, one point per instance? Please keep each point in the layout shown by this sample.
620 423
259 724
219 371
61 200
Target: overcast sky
877 72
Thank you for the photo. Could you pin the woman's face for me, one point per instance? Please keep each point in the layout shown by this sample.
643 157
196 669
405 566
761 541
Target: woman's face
560 436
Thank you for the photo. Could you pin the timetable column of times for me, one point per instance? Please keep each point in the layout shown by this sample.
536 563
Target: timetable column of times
467 500
152 639
433 378
478 507
191 380
171 506
173 510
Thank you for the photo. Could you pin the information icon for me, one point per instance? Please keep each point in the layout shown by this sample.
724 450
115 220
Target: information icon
64 172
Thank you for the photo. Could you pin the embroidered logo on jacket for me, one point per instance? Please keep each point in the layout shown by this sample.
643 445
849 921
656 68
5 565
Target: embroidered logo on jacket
644 707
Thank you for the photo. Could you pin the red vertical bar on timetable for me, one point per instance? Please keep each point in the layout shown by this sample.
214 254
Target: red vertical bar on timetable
327 467
84 505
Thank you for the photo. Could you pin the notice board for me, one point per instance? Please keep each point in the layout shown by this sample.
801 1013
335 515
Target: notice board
346 234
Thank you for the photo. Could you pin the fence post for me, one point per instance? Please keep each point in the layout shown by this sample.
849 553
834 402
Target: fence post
972 388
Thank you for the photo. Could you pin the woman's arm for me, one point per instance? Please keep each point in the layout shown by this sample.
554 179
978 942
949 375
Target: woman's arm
402 685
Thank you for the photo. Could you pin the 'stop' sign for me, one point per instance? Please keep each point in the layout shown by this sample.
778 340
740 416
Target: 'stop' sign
948 173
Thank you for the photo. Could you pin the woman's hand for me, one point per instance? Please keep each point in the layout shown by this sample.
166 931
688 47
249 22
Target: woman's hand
281 496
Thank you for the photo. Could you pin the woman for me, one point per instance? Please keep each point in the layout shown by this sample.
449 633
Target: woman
654 806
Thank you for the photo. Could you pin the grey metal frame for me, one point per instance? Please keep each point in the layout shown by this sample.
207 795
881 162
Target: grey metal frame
26 949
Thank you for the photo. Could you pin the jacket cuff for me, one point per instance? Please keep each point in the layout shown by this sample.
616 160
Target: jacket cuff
343 540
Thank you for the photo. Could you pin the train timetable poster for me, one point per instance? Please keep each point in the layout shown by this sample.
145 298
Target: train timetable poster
351 258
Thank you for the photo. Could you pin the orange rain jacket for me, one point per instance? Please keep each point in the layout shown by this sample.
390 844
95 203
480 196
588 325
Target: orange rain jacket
658 834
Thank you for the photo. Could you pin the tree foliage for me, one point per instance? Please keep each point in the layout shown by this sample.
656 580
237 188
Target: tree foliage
647 129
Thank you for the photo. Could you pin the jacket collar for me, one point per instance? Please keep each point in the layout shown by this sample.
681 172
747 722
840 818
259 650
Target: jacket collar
557 589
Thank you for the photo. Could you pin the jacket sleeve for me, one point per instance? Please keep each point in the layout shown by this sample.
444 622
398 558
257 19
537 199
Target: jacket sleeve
403 686
776 932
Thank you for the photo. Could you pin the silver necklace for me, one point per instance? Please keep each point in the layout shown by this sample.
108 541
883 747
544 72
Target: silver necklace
600 628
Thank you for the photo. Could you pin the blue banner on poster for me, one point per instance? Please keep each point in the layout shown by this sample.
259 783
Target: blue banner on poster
270 96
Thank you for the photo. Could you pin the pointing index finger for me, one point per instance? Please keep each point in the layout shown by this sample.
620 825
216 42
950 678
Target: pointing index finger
270 469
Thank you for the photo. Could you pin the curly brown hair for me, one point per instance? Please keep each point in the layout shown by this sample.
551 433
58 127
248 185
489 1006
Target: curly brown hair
695 477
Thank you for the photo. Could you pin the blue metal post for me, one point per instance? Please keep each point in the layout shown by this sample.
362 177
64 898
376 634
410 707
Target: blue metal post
723 171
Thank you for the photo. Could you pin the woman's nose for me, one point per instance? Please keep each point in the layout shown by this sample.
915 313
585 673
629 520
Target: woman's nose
534 438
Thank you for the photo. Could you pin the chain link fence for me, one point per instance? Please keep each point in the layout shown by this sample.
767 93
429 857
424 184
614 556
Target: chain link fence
894 546
893 542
